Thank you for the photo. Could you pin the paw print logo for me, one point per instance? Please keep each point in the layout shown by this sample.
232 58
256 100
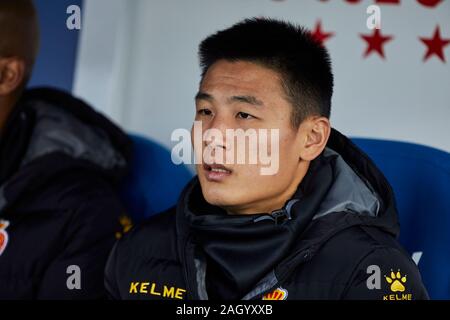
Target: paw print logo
397 281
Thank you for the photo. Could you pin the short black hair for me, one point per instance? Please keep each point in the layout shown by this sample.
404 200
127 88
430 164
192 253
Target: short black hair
303 62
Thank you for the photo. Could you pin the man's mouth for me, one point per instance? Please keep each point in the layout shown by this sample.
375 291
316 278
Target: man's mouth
216 172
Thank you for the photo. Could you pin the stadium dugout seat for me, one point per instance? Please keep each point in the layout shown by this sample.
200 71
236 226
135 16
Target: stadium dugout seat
420 177
154 181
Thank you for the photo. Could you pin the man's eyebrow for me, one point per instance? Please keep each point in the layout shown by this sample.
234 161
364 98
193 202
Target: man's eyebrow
246 99
203 96
243 99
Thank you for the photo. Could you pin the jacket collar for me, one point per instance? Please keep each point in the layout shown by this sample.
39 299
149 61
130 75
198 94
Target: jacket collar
240 250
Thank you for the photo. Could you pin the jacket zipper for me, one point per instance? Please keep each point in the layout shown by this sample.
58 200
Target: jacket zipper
306 257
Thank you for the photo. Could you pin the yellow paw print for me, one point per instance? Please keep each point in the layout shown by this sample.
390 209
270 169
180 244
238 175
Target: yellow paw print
396 280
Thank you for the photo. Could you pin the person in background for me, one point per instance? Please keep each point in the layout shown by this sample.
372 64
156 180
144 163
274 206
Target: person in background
60 163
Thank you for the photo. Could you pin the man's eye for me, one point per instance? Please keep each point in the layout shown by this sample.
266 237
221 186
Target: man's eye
204 112
243 115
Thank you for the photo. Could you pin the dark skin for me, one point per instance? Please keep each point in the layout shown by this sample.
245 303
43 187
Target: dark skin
19 43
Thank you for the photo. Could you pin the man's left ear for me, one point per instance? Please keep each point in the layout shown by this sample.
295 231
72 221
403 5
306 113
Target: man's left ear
12 74
315 132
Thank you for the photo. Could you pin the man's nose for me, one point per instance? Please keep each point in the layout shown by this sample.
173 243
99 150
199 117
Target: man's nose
215 137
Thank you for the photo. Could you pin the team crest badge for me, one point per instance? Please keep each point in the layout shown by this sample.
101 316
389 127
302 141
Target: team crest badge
3 235
277 294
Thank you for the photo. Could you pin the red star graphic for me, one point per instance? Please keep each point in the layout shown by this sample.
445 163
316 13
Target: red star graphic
435 45
375 42
319 35
429 3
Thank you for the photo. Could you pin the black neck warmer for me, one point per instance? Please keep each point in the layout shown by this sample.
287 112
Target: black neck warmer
242 249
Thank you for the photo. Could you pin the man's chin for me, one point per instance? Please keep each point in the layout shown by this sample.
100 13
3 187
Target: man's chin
217 200
222 195
220 199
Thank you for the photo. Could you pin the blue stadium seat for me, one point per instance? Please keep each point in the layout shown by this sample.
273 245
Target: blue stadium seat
420 177
154 182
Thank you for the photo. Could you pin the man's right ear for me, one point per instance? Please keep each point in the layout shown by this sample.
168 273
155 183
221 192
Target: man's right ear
12 74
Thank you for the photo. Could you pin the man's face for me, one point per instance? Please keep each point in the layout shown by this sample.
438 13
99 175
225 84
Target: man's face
245 95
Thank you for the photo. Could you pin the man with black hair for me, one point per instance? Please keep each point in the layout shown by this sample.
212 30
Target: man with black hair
323 226
60 163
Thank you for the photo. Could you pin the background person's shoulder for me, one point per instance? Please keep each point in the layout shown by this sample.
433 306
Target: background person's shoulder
154 237
137 251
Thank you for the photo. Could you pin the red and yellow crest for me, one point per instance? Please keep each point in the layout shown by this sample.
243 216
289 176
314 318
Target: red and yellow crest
277 294
3 235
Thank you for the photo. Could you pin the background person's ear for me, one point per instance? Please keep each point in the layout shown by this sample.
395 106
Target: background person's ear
316 131
12 74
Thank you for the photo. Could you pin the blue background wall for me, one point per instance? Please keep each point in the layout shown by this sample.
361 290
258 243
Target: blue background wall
56 60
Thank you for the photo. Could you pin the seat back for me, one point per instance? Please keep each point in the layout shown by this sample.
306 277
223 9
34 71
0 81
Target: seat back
420 177
154 182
